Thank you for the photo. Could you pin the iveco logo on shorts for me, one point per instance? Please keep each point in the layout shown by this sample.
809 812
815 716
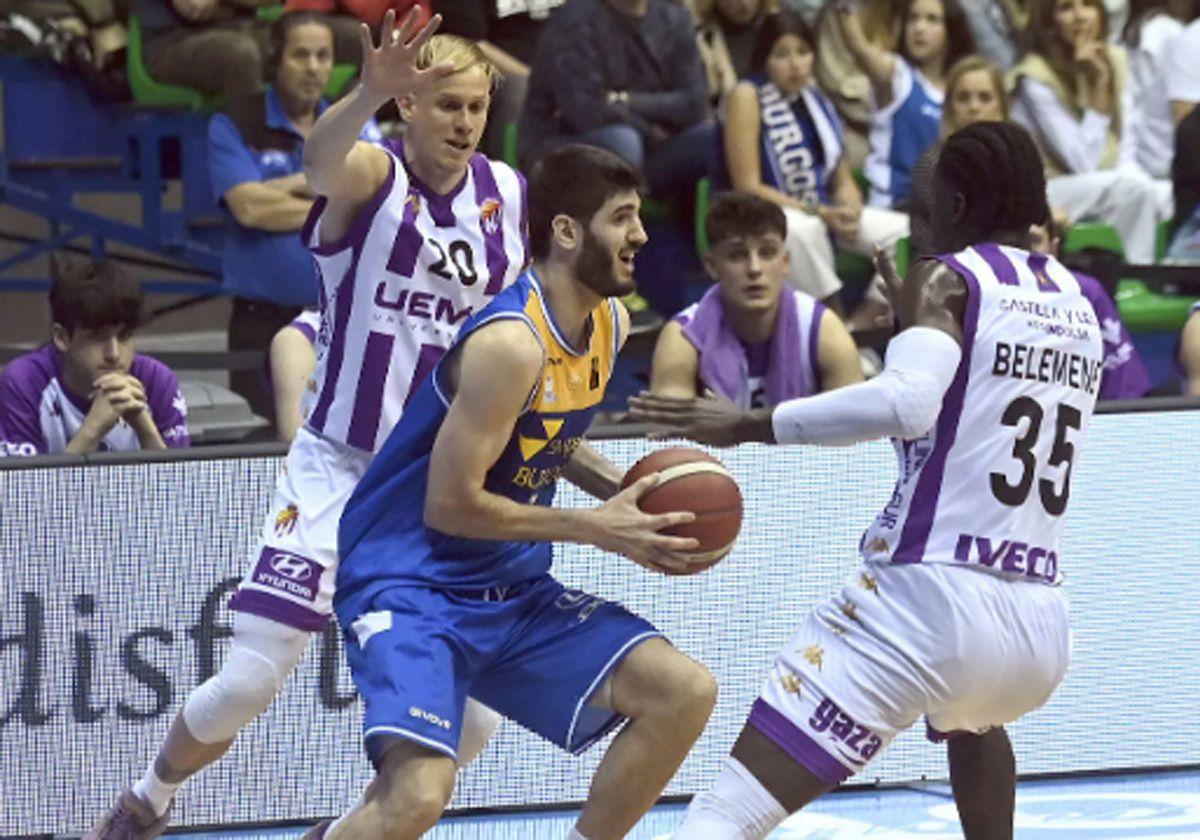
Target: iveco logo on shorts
291 566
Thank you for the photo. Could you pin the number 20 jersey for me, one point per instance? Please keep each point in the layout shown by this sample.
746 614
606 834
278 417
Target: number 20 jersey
989 484
410 271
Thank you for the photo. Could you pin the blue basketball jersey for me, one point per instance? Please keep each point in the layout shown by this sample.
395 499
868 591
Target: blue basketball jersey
900 134
383 540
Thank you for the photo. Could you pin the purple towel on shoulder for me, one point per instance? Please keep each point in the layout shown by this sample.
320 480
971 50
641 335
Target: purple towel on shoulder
723 364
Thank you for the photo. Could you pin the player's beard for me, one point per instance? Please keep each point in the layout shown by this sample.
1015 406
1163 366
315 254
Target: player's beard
596 268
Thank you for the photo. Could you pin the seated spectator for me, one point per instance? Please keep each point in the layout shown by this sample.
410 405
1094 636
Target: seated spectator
749 338
974 93
508 32
87 390
1124 376
623 75
1189 353
783 142
1149 35
726 34
291 362
220 48
1183 72
906 88
1071 91
839 74
255 162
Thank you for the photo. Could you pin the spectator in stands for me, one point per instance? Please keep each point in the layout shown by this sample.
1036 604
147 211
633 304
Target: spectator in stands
507 31
1189 353
219 47
87 390
624 75
291 362
906 87
726 34
783 142
255 151
1149 36
1124 376
749 338
974 93
1183 73
997 27
1071 91
1185 180
841 77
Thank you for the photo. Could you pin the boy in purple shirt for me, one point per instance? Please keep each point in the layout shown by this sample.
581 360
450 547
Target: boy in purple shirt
86 391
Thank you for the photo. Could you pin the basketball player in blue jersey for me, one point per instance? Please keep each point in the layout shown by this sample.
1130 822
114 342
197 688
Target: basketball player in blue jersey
444 588
956 614
409 241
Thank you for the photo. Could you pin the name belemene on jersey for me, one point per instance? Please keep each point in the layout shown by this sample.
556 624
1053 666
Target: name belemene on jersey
1047 364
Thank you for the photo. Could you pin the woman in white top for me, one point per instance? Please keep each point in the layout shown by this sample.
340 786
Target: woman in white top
1071 90
1148 36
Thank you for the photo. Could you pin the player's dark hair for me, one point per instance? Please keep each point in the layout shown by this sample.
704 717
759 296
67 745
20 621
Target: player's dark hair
773 27
735 214
573 180
93 295
960 41
997 169
277 37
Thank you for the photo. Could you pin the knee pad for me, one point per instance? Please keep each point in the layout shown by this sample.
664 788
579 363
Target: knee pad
479 724
259 661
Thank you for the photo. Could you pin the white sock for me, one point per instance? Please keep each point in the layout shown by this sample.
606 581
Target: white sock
155 791
736 807
575 835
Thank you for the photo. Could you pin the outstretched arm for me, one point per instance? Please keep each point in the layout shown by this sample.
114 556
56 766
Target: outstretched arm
903 401
876 62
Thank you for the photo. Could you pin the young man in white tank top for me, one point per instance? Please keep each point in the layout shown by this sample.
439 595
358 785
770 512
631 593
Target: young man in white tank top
410 240
956 613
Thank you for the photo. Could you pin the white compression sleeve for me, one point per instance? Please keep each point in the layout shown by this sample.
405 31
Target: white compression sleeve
903 401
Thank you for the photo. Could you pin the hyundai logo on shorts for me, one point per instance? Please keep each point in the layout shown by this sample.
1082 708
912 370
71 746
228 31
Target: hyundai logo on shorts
291 567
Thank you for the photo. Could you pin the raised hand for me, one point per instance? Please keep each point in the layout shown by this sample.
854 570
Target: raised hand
390 70
624 528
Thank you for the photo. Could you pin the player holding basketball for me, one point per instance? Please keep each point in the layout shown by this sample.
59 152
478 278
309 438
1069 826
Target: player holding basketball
987 393
444 588
408 244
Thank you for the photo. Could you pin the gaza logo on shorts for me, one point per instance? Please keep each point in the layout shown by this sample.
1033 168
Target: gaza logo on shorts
288 573
830 719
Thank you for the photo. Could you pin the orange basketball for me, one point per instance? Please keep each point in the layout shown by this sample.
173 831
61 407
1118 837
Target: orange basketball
692 480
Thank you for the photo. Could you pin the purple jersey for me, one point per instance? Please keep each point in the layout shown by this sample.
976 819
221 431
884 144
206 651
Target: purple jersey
1125 376
38 415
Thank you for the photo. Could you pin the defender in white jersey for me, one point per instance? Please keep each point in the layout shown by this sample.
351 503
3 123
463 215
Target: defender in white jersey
409 240
956 614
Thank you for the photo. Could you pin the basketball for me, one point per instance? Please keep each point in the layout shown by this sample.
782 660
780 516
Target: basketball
695 481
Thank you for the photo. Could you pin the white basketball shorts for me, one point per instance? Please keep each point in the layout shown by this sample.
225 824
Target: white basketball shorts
968 649
294 566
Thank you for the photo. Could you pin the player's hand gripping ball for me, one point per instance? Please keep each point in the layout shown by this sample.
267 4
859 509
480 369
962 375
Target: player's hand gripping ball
691 479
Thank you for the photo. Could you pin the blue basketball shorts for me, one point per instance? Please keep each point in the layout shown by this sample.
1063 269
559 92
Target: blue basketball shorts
537 653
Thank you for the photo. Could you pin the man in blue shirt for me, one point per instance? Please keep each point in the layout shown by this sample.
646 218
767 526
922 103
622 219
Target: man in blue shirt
255 151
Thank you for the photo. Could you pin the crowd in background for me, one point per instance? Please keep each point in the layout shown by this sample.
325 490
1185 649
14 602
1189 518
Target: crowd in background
823 119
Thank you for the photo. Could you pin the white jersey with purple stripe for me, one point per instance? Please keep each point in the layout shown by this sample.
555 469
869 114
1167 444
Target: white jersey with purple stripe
398 286
308 323
989 484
